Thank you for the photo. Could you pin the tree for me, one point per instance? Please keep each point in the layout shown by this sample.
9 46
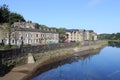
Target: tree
113 36
92 38
43 27
62 34
15 17
37 26
4 14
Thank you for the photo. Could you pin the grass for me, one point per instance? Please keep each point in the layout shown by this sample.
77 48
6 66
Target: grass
5 47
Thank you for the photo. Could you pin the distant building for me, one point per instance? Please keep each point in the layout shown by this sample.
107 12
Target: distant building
28 24
3 32
27 33
95 36
80 35
74 35
1 37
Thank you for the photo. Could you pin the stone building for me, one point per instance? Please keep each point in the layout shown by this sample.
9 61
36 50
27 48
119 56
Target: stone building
95 36
3 32
77 35
74 35
26 33
1 37
92 35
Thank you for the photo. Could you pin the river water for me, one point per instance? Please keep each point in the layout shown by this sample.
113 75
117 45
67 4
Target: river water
102 65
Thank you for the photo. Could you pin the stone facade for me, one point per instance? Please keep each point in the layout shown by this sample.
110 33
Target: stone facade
29 34
1 37
26 33
74 35
24 25
13 56
3 32
80 35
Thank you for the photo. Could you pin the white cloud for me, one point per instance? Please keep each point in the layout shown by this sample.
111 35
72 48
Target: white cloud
93 3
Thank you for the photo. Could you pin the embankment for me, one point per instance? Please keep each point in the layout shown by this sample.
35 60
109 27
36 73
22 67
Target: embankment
27 71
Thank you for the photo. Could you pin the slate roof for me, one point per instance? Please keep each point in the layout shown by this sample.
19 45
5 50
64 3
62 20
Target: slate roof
71 30
32 30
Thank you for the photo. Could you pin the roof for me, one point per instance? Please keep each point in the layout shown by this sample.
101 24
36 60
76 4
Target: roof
33 30
90 30
71 30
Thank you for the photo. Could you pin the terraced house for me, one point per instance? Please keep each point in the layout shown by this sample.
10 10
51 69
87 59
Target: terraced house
29 34
76 35
3 32
26 33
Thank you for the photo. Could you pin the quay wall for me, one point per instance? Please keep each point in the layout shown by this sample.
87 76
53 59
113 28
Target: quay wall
18 56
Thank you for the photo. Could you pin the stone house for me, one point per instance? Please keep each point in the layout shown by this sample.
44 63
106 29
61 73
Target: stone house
80 35
95 36
3 32
27 33
74 35
1 37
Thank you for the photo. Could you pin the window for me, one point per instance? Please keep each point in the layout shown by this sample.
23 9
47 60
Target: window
20 34
26 34
12 41
13 35
6 34
36 35
36 40
41 35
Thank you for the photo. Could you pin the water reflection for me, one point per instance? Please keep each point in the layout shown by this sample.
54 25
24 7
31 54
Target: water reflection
84 56
103 65
114 44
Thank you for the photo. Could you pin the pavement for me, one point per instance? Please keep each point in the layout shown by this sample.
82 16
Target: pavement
19 72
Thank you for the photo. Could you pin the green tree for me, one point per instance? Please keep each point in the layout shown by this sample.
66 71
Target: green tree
113 36
92 38
4 14
15 17
7 16
62 34
43 27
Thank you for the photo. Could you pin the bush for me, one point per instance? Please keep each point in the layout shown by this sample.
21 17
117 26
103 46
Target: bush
7 47
78 43
4 47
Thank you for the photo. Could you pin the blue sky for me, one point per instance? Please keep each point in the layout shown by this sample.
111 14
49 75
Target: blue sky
102 16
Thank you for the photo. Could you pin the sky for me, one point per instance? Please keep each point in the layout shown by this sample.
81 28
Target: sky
102 16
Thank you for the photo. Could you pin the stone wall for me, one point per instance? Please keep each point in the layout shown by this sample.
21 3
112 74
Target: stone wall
19 55
15 57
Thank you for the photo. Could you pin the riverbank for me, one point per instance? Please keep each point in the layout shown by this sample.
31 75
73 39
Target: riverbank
27 71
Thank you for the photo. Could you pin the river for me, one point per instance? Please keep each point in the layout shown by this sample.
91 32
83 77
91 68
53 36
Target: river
102 65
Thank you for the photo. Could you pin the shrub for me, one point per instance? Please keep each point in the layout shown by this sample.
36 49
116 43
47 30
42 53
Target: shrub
78 43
